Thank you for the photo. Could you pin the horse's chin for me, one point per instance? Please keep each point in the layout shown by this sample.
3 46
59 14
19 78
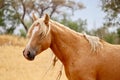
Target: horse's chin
30 59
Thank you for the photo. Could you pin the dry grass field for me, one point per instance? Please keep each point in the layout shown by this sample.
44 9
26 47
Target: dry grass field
13 66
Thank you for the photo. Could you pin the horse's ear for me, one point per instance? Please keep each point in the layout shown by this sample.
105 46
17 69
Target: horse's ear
46 19
34 17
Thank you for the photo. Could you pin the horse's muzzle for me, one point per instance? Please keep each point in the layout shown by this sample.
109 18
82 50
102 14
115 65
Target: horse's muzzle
28 55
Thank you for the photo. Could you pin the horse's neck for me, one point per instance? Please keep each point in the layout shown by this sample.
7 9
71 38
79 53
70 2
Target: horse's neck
66 44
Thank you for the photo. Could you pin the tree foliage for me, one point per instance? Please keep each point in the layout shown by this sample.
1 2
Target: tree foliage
9 17
16 12
112 18
112 10
78 25
118 32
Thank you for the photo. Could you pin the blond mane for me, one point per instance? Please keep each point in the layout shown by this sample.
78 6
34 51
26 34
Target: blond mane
95 42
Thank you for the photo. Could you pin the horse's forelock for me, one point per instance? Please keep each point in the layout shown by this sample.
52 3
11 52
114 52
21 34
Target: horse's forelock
42 26
29 33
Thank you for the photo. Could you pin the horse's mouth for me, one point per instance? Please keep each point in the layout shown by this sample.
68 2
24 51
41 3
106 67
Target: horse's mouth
30 59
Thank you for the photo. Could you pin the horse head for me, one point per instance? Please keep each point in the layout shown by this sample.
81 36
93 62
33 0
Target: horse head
39 37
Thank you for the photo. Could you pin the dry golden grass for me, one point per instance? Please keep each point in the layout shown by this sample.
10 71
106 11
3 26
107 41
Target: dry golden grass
13 66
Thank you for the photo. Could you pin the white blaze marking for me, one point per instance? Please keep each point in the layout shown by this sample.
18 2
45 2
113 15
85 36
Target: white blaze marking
36 28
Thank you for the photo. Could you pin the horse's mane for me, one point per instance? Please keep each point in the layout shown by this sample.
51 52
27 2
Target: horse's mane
94 41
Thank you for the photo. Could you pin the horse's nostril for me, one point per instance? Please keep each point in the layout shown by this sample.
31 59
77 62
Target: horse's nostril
28 54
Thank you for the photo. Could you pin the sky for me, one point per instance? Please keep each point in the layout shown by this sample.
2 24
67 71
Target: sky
92 13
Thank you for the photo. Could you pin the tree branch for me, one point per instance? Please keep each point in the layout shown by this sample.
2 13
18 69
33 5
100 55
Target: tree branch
53 10
21 19
24 10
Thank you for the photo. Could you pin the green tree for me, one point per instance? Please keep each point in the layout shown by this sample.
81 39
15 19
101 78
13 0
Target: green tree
1 20
16 12
111 38
112 18
8 18
78 25
105 34
112 10
118 32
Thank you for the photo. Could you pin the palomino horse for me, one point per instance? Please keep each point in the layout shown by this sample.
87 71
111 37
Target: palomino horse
84 57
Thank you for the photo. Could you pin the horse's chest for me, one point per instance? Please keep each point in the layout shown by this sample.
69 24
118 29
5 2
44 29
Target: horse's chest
69 73
72 72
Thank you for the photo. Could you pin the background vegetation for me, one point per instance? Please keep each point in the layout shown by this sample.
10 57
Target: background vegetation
17 13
